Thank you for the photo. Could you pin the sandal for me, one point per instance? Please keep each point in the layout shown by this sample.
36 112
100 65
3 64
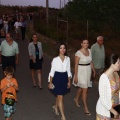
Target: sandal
55 110
76 103
87 112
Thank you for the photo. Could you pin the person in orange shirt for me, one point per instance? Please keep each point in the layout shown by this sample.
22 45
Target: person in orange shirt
9 86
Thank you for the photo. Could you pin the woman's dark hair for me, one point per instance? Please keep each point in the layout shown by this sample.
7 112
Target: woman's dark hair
110 59
32 37
58 51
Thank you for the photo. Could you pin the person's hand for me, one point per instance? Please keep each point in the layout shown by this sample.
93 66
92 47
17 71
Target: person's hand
68 85
34 61
116 115
75 80
50 86
16 62
12 84
8 85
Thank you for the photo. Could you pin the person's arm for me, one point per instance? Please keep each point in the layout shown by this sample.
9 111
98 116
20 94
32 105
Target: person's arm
104 91
116 114
69 72
76 69
4 88
17 54
92 51
51 74
93 69
14 85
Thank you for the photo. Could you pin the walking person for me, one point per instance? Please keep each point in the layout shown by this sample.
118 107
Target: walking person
59 77
9 52
23 27
98 57
36 57
2 35
17 26
82 75
109 91
5 23
9 86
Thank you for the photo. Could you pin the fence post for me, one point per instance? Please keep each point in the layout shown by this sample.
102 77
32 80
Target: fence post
87 29
67 35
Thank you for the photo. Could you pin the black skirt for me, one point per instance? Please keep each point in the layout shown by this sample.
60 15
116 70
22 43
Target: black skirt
37 65
60 81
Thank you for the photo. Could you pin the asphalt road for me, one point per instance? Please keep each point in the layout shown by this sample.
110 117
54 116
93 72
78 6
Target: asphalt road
36 104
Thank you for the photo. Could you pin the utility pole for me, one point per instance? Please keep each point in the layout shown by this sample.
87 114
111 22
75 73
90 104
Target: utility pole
64 3
60 4
47 13
0 2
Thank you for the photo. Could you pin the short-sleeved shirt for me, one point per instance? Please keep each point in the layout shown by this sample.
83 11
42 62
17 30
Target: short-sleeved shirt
98 55
4 82
17 24
9 50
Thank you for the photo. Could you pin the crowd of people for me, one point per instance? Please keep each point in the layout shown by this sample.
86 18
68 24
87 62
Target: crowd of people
105 72
88 63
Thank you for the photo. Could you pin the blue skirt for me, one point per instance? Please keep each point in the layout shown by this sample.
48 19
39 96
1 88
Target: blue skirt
60 81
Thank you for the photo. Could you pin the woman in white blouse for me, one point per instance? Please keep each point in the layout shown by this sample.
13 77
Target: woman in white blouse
109 90
59 79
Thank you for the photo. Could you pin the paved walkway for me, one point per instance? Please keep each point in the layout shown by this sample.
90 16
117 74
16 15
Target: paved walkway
36 104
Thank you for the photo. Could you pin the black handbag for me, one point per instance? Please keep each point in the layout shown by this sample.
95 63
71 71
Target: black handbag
117 108
9 99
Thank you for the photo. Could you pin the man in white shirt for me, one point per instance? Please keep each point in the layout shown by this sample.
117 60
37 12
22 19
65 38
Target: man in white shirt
17 29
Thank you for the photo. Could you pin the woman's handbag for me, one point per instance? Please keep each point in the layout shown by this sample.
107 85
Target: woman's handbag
9 99
117 108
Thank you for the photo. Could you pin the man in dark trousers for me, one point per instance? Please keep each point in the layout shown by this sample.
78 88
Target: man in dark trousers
9 52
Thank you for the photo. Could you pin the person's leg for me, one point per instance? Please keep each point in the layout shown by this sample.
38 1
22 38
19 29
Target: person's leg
39 72
33 76
78 94
98 74
61 106
84 99
22 32
7 112
96 79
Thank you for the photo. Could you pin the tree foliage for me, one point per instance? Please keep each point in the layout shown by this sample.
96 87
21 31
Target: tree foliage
100 11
